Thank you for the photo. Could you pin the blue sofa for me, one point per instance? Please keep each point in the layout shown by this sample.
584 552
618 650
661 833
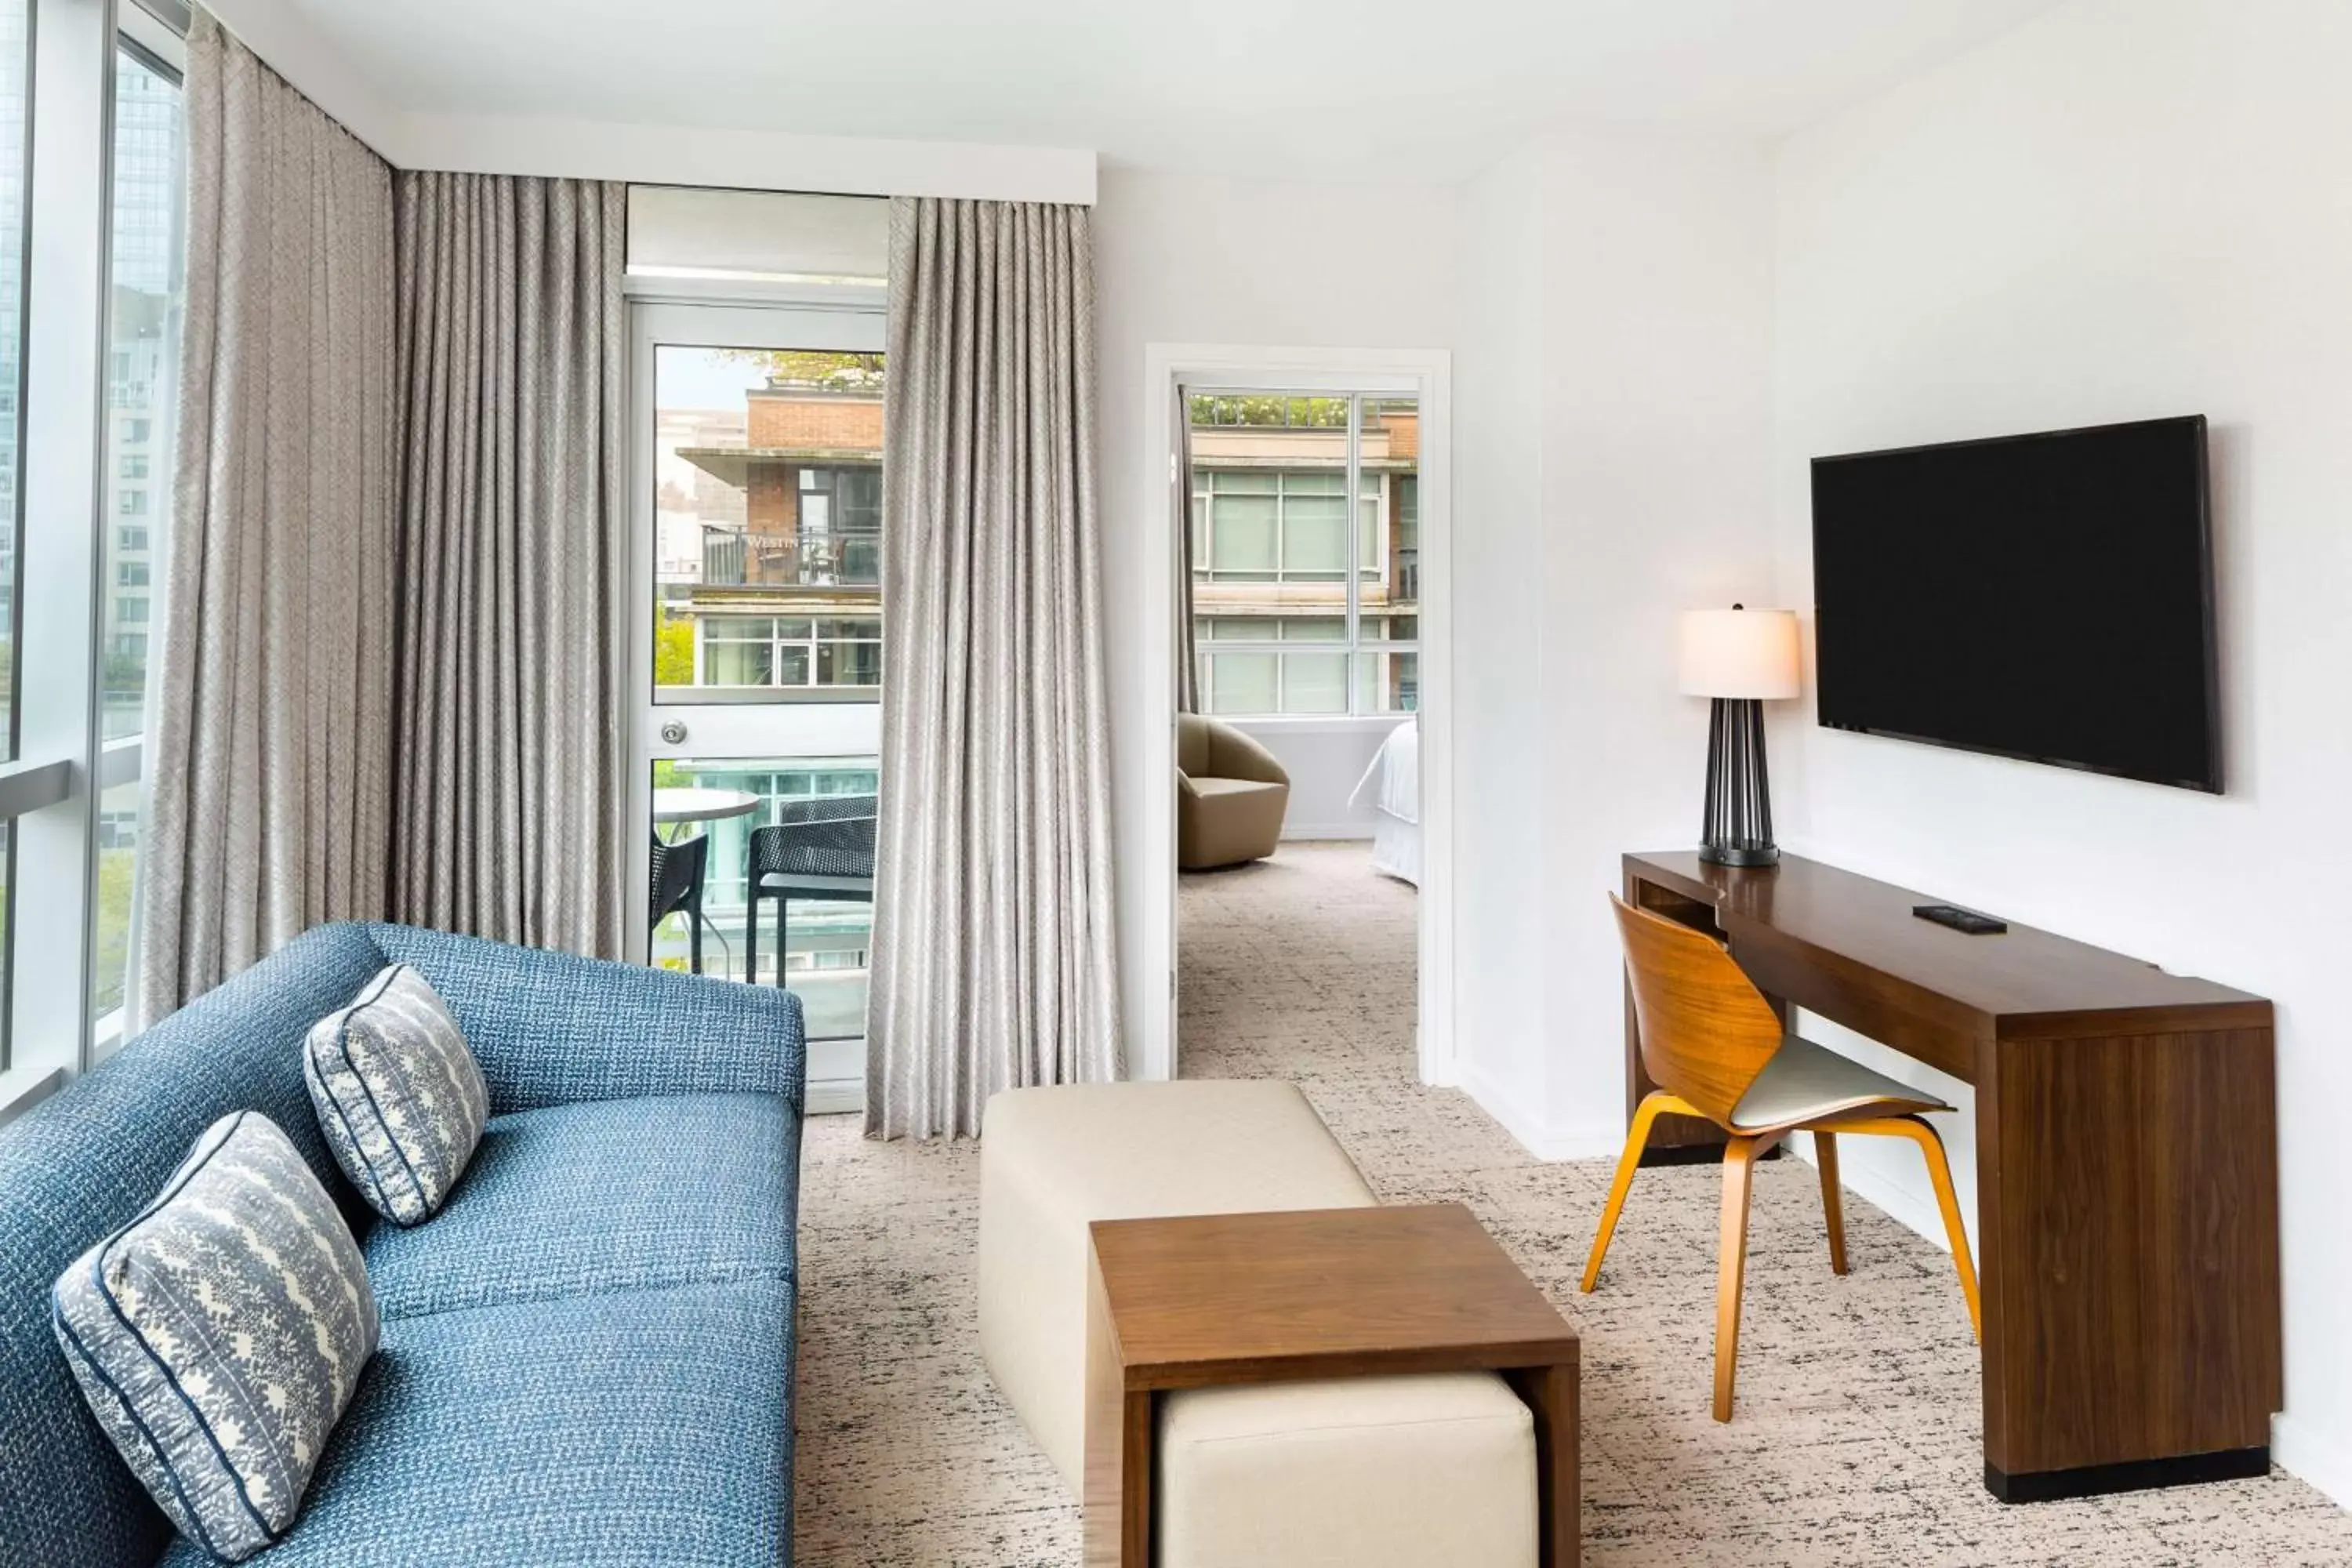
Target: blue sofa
587 1355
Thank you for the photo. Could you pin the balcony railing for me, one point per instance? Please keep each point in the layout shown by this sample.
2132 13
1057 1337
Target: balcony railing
735 558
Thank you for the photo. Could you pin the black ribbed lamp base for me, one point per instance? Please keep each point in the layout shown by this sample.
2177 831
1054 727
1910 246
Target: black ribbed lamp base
1738 827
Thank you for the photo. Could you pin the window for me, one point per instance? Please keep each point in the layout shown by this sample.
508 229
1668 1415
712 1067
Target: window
768 525
1299 611
148 294
15 39
826 954
88 382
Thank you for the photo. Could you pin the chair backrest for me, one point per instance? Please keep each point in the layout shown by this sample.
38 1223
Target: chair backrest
1705 1030
79 1164
828 836
677 874
1191 745
1206 749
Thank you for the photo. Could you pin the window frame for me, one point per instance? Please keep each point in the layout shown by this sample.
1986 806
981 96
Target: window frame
50 795
1201 494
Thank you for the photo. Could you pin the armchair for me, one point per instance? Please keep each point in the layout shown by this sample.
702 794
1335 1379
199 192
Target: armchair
1230 794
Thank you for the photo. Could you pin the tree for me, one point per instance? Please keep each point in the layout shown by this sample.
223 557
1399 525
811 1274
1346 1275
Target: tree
1269 409
674 652
820 368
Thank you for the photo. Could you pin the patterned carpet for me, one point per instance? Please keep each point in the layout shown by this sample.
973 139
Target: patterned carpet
1856 1436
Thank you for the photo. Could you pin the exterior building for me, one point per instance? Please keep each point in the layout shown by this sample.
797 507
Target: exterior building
1294 611
786 592
140 372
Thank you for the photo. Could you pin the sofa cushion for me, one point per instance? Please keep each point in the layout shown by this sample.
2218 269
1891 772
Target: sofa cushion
79 1165
605 1196
607 1431
220 1333
398 1094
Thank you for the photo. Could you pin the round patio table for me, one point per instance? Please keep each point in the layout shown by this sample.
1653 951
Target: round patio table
675 808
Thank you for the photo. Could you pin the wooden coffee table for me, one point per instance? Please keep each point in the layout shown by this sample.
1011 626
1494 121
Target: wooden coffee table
1219 1299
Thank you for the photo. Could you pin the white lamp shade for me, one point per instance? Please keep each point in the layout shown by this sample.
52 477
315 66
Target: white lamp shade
1739 653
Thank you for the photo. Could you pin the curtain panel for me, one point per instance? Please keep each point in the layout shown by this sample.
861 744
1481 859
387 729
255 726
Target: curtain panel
270 739
508 803
993 963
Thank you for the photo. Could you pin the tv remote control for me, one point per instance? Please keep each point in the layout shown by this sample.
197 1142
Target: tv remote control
1961 920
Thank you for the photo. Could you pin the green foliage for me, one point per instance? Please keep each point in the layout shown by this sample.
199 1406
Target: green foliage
113 958
674 652
813 367
1269 409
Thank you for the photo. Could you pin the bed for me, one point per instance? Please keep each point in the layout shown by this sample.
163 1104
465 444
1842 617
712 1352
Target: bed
1393 782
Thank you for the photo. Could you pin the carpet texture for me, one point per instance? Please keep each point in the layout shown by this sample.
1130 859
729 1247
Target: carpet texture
1856 1436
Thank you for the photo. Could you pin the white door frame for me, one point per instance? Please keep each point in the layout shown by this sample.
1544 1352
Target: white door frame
1425 374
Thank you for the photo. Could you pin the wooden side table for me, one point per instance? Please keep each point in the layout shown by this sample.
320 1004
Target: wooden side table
1215 1300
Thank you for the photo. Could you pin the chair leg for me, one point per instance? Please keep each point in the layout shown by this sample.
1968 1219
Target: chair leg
752 939
1939 1175
1731 1266
694 935
783 919
1825 1154
1653 1104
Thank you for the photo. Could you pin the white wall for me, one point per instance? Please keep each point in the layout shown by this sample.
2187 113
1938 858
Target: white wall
1183 258
1613 395
1326 759
2128 208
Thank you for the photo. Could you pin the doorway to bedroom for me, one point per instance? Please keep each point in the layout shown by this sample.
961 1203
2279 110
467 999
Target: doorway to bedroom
1301 516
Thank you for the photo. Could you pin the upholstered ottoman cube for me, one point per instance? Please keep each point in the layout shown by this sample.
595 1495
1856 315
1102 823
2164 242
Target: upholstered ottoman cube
1052 1161
1432 1471
1424 1471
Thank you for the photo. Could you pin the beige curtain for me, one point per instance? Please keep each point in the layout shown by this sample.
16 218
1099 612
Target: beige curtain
508 803
992 959
269 748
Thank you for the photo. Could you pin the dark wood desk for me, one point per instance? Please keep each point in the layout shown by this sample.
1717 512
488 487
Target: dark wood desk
1210 1300
2126 1163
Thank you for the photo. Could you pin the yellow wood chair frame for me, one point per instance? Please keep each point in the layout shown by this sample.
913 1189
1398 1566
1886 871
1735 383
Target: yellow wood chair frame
1707 1035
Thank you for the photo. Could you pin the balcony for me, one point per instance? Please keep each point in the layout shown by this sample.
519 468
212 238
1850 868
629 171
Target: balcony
736 558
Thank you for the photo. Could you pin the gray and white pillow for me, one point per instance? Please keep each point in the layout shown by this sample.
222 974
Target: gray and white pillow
218 1336
399 1094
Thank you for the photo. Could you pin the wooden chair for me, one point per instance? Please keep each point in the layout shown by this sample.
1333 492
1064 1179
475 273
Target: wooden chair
1718 1050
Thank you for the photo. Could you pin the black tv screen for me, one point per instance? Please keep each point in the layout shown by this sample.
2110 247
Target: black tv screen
2048 597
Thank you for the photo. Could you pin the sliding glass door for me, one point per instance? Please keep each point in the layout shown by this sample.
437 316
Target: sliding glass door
758 627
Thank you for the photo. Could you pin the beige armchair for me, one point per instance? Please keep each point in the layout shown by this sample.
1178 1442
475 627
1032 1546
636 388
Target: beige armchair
1230 795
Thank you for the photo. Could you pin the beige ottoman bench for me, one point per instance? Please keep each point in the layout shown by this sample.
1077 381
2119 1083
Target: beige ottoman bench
1391 1472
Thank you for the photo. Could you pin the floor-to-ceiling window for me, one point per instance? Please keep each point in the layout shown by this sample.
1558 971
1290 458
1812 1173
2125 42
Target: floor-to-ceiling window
15 39
92 204
146 286
1296 610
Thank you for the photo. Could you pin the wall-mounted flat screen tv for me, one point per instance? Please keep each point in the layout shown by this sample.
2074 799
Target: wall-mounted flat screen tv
2048 597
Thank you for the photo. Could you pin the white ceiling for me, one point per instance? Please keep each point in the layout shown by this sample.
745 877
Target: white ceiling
1396 89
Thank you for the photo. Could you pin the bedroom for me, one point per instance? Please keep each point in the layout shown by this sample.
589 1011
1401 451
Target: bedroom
1300 623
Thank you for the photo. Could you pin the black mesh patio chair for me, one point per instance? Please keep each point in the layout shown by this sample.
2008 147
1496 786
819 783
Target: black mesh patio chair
676 884
820 849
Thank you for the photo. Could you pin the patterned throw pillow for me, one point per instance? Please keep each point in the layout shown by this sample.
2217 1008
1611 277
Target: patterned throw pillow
218 1336
399 1095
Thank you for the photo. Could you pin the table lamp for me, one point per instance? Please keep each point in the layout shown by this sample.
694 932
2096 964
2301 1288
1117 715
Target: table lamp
1742 658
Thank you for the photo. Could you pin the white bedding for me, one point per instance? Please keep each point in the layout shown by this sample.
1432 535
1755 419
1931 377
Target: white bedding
1395 777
